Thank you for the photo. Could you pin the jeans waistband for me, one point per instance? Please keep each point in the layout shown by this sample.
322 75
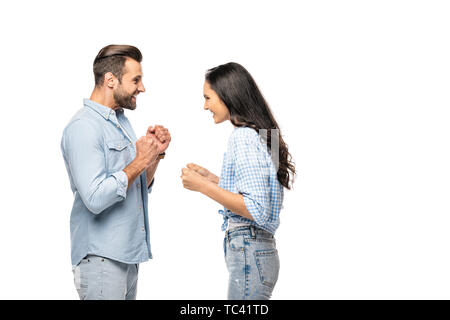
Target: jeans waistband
248 230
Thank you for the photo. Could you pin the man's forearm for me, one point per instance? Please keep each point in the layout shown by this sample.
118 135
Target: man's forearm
150 172
133 170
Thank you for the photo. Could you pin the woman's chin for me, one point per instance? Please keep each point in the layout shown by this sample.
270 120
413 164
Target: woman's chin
218 120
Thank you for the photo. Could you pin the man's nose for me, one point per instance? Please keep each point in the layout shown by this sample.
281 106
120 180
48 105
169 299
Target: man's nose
141 88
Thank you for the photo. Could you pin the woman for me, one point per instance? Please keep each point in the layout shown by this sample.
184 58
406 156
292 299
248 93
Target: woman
250 187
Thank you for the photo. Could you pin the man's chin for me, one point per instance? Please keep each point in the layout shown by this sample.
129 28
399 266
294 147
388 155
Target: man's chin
130 106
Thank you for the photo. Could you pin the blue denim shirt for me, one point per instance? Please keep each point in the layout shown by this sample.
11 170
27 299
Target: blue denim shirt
108 218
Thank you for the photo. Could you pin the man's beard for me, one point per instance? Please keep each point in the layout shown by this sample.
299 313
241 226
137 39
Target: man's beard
123 99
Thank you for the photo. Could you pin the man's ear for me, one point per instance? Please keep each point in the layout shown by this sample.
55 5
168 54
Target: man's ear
110 80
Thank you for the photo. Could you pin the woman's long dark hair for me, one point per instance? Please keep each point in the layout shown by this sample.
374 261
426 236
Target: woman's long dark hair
238 91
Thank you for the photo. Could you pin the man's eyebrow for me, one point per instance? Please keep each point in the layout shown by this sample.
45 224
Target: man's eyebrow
137 77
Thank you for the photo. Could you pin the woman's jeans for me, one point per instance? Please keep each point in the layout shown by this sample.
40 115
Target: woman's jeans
252 262
98 278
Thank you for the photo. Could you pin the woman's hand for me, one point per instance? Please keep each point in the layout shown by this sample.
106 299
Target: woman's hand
203 172
196 178
192 180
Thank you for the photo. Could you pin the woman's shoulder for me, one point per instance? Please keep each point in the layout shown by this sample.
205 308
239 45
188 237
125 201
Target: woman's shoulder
244 134
246 139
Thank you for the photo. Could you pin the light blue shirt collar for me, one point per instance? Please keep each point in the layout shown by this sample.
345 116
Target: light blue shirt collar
104 111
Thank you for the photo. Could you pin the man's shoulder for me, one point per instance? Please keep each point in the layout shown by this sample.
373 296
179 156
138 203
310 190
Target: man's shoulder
83 121
85 116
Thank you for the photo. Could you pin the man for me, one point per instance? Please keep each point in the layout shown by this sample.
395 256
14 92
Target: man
111 173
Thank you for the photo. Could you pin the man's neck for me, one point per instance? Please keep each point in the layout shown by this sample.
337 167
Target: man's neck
100 97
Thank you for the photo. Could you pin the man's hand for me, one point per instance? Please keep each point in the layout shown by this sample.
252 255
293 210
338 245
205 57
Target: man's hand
203 172
146 151
146 154
161 136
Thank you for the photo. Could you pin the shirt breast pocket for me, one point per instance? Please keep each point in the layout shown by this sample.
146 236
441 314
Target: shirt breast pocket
118 154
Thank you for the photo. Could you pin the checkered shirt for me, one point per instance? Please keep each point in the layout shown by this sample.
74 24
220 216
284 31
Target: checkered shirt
248 169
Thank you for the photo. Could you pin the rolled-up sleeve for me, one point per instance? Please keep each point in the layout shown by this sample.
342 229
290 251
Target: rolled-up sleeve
122 181
251 176
83 149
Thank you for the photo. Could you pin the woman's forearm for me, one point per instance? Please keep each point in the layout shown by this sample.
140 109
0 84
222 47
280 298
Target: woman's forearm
232 201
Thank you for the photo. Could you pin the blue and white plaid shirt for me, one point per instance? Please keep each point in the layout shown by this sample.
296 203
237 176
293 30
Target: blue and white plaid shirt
248 169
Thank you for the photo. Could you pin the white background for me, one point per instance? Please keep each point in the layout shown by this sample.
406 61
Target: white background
360 89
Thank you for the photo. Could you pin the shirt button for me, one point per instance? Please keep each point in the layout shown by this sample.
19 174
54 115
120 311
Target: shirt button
138 185
143 229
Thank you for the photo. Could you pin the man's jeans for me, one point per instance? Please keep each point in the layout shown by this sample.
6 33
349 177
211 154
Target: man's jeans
98 278
252 262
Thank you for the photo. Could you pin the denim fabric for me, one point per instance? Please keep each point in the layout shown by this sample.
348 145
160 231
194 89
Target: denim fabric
99 278
107 219
252 262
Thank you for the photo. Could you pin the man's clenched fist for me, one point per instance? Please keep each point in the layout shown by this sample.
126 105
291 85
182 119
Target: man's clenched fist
147 150
161 136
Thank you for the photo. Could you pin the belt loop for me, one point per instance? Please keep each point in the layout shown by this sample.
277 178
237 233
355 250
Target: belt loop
252 230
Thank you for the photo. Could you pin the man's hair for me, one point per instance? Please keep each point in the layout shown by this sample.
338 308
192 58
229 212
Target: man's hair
112 59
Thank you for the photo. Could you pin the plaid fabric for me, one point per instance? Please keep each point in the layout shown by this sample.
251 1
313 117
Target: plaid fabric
248 169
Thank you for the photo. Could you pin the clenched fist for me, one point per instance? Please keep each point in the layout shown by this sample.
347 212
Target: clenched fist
192 180
146 150
161 136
